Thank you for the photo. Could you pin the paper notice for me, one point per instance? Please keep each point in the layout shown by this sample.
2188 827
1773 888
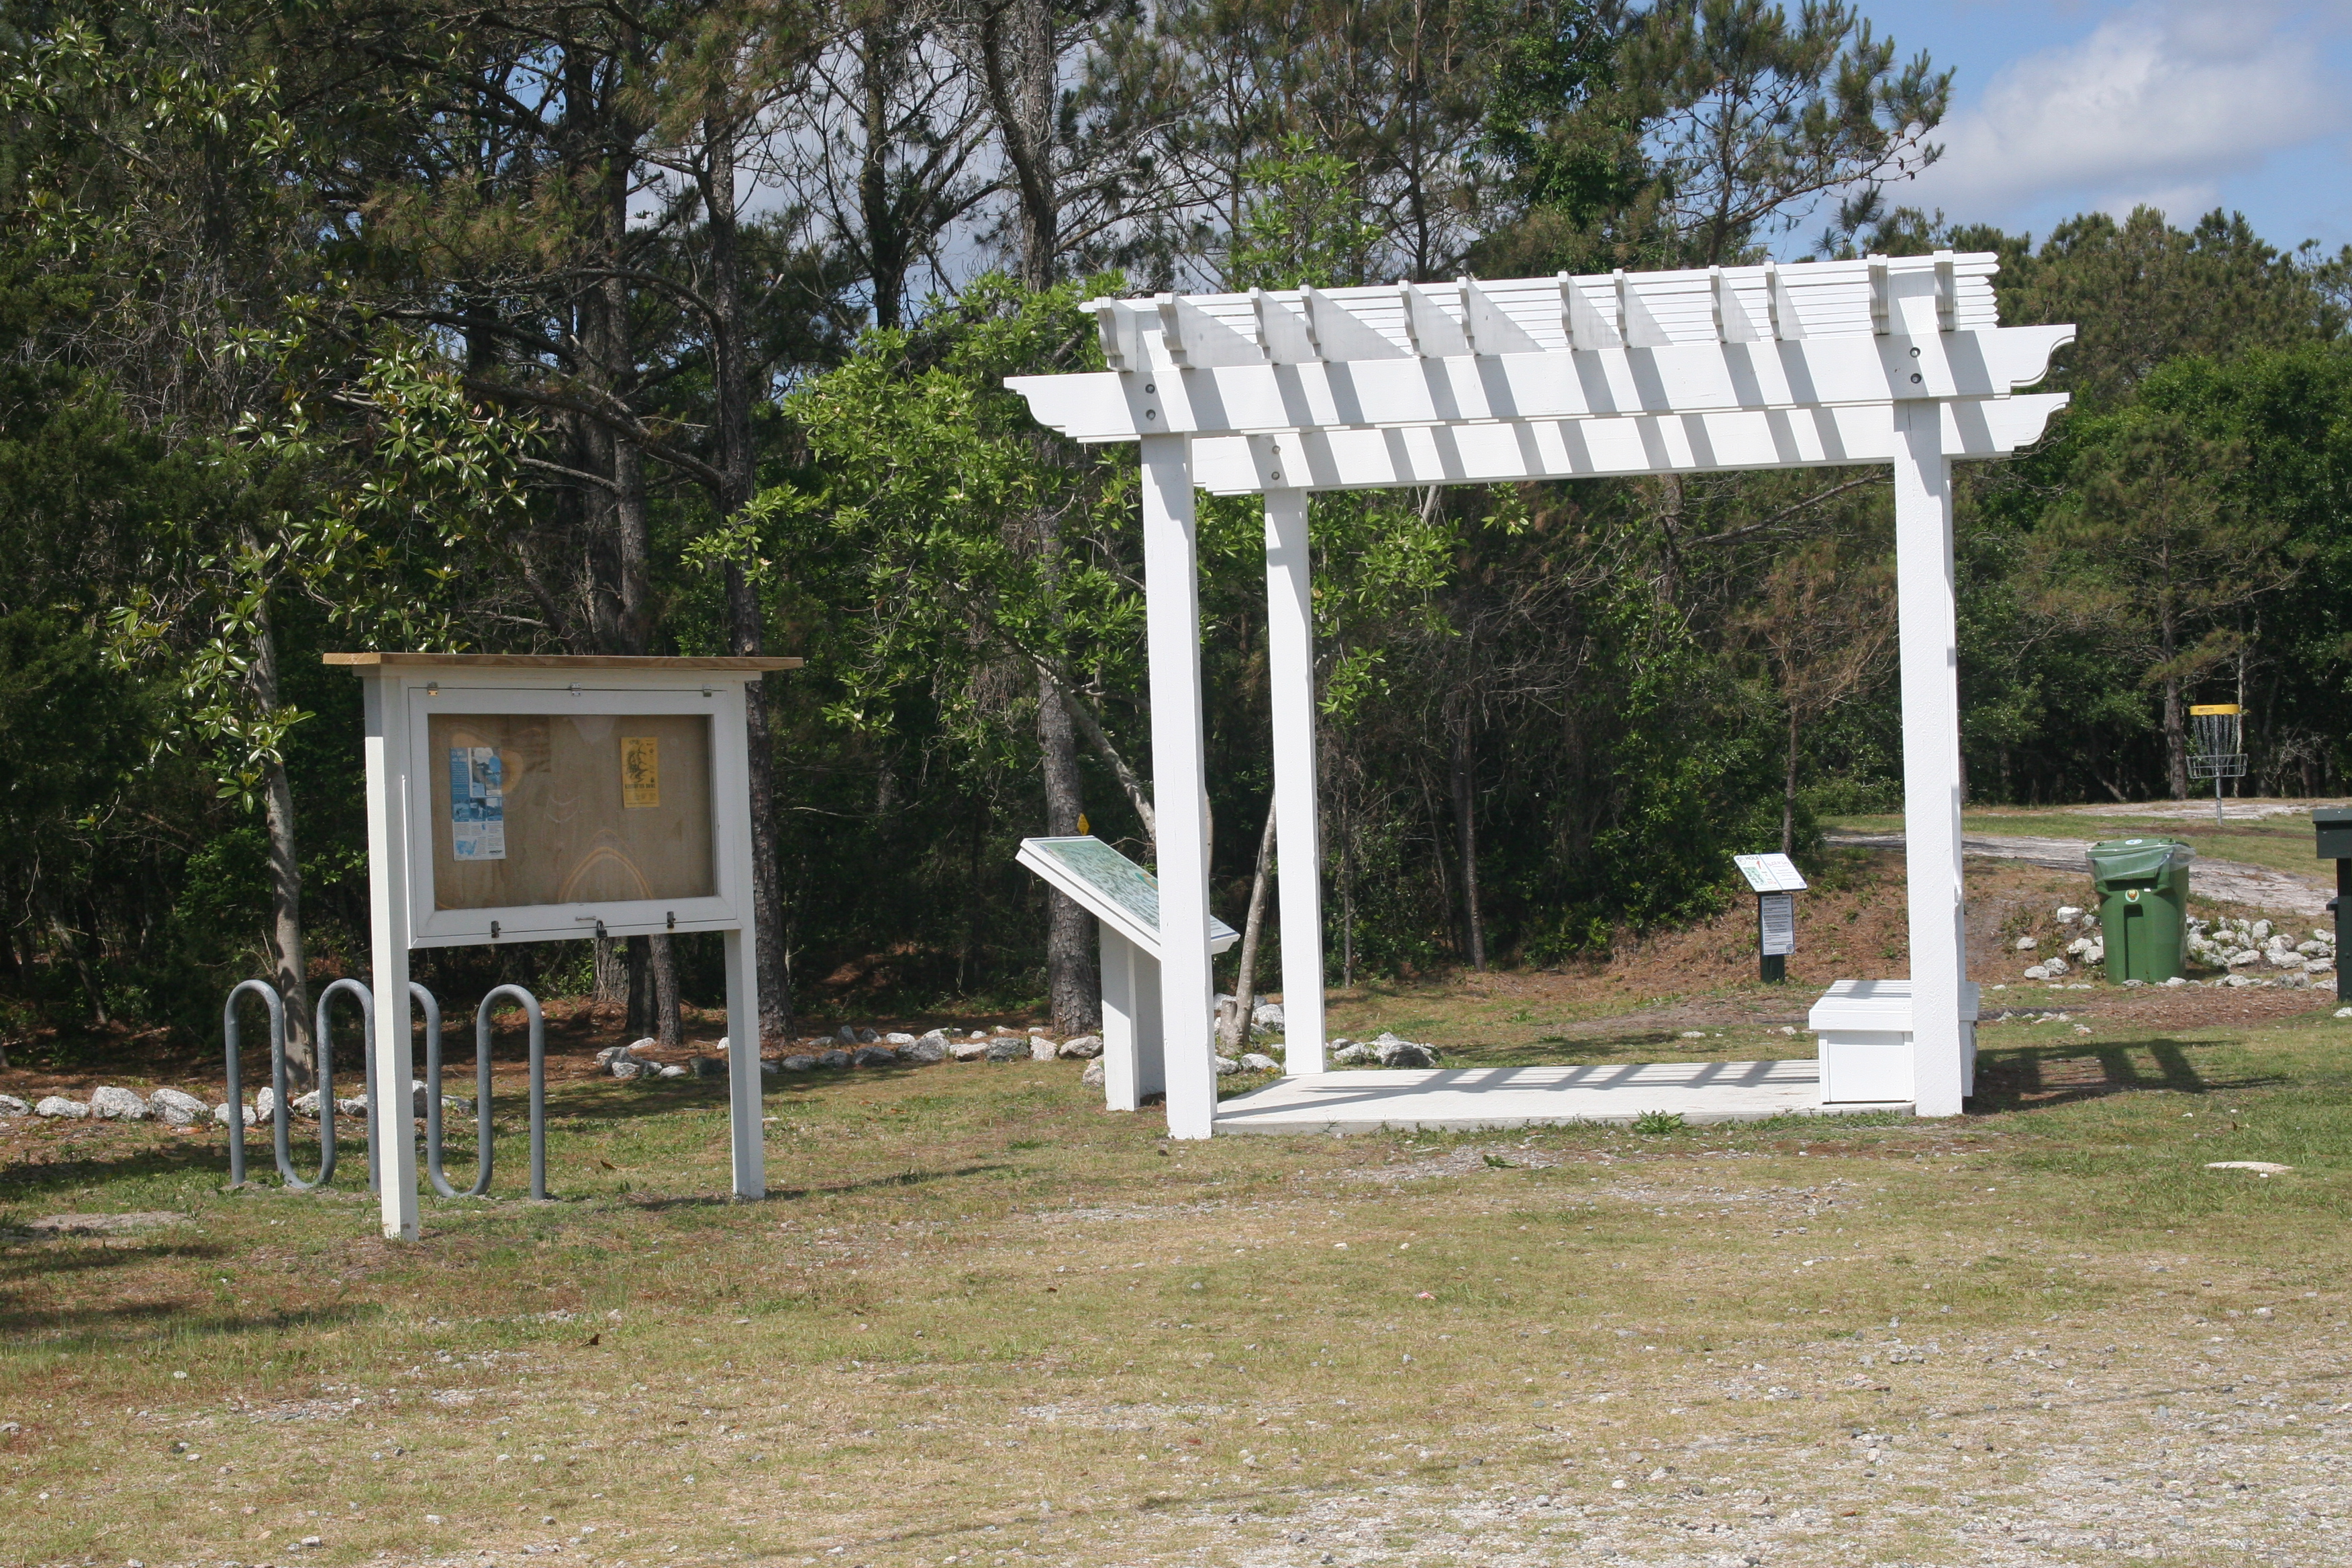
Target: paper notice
478 804
1777 919
640 770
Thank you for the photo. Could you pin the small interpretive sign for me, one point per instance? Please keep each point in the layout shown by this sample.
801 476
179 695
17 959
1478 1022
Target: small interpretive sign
1111 888
1770 873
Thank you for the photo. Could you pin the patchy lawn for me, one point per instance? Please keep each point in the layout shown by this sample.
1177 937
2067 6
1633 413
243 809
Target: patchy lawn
982 1321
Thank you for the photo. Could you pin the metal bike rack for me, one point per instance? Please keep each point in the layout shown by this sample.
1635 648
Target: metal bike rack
481 1106
229 1036
324 1034
482 1151
538 1085
381 1116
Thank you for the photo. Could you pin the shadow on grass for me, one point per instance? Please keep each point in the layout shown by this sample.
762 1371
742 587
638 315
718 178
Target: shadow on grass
106 1319
28 1180
831 1189
2035 1077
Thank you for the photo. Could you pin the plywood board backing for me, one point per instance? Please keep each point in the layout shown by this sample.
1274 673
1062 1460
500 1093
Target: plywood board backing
583 819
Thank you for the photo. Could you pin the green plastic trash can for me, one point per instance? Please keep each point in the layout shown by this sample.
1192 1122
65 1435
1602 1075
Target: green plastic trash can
2143 886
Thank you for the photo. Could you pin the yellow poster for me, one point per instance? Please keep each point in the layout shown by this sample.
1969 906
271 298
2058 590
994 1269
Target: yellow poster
640 770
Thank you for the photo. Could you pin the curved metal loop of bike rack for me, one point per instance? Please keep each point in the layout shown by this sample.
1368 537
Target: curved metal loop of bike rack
324 1035
433 1153
537 1084
229 1038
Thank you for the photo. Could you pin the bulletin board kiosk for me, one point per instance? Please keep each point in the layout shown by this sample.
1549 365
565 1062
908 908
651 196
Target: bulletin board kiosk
517 797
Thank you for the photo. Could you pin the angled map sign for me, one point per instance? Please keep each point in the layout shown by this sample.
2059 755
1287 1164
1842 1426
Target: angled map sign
1111 888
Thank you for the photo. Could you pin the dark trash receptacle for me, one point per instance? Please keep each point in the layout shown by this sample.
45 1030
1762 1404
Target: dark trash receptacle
2143 888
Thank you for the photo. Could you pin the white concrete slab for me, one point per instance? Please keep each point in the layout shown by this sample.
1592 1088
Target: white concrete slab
1472 1098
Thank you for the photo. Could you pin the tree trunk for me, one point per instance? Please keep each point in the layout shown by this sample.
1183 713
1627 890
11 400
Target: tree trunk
2175 742
732 396
1788 791
1347 898
1465 825
289 972
641 995
1073 988
880 43
667 1028
1234 1032
610 968
1018 63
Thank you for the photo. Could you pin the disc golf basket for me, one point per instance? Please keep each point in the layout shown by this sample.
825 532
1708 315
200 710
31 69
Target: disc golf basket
2215 752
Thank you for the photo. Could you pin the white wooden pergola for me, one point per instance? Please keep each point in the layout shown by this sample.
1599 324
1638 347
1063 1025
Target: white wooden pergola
1280 393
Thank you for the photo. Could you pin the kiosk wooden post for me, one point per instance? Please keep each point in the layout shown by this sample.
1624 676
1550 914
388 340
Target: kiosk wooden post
524 797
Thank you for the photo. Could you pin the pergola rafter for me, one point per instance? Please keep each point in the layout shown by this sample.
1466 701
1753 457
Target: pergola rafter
1884 360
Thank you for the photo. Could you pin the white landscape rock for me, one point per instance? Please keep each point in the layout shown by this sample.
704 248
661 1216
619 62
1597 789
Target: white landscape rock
926 1048
1041 1049
2068 914
1258 1061
970 1050
1348 1052
1093 1077
109 1103
1227 1067
673 1071
2028 944
1396 1053
898 1038
1081 1047
221 1114
11 1106
59 1106
2036 972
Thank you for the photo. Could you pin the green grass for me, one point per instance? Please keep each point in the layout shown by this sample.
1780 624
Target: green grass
979 1316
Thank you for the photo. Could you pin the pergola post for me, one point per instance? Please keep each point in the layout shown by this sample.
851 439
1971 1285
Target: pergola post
1180 784
1298 850
1927 623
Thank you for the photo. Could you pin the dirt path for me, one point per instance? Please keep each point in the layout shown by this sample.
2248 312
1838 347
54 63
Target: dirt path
2225 881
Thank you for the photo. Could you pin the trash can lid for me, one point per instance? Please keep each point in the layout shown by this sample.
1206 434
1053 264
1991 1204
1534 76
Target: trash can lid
2116 859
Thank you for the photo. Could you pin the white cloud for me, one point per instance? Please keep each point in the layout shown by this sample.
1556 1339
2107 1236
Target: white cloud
2157 104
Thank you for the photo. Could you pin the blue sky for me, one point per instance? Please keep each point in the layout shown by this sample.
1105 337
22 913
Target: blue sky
2064 105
